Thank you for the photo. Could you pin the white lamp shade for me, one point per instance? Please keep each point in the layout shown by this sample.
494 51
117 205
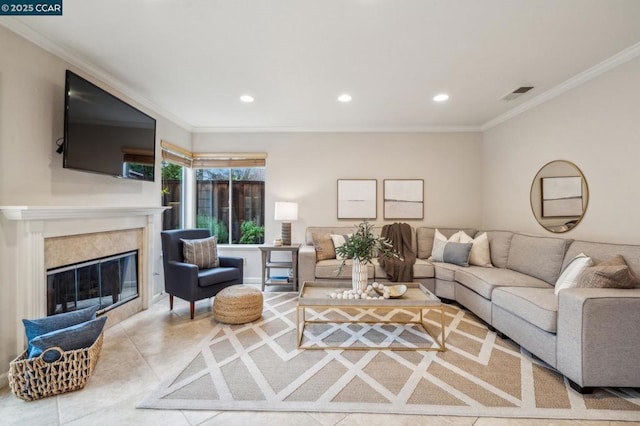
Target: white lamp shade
286 211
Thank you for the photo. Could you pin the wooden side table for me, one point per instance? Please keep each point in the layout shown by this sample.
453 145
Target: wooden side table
268 264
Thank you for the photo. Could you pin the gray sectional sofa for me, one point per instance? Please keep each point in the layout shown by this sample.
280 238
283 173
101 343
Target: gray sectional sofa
590 335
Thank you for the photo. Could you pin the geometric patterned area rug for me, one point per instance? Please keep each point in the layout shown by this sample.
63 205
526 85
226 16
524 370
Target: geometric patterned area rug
257 367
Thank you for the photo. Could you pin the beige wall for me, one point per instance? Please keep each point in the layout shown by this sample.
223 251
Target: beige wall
304 167
31 173
597 127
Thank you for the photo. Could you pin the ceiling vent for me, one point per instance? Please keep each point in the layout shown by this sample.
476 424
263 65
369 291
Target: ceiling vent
516 93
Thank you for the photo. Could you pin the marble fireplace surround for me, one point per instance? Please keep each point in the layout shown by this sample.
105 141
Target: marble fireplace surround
53 236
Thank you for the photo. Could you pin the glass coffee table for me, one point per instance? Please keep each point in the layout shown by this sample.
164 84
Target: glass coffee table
315 296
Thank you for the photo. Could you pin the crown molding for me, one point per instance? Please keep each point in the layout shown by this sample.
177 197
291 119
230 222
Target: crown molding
39 40
417 129
616 60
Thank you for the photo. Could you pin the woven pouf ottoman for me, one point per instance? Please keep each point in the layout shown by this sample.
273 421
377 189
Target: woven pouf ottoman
237 304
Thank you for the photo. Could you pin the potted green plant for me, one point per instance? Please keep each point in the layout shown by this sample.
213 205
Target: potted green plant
362 246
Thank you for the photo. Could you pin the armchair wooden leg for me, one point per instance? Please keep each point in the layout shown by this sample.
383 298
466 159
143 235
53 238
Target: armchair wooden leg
192 308
171 302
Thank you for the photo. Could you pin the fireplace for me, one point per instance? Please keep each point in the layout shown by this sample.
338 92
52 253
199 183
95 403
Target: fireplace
107 282
44 238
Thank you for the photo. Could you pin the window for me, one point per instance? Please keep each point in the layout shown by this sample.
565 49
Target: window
172 195
229 192
230 202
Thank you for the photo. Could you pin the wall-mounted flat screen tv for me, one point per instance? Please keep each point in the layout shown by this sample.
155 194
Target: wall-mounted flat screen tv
103 134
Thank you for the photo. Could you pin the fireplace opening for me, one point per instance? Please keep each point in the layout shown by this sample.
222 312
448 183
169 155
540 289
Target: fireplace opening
108 282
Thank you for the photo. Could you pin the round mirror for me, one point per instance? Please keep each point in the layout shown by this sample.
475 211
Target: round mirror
559 196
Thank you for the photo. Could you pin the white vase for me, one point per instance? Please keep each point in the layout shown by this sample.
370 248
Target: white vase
359 275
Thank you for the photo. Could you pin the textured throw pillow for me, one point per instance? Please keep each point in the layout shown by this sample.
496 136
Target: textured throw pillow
37 327
202 252
450 252
339 240
612 273
324 247
68 339
480 253
569 276
437 236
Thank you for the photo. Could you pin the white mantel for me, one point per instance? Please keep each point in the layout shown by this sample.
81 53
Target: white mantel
74 212
33 224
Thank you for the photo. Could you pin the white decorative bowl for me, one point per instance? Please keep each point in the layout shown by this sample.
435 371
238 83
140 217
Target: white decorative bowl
395 291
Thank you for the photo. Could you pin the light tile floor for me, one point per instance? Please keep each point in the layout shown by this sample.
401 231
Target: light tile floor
143 350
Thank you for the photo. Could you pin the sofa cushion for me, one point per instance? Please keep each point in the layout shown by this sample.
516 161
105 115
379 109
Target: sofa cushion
445 271
421 269
324 247
499 244
540 257
484 280
328 269
451 252
480 253
538 306
213 276
569 276
201 252
612 273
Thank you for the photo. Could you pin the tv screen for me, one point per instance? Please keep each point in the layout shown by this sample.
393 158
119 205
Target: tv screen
103 134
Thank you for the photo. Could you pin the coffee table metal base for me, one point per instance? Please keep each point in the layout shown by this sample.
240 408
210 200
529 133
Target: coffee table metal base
301 323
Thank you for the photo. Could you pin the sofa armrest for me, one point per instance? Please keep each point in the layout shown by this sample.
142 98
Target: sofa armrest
178 278
231 262
598 336
306 264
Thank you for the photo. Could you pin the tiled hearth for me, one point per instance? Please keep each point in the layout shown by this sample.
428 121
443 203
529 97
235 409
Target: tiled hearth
47 237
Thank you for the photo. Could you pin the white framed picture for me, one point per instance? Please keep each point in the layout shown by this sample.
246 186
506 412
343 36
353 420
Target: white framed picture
403 198
357 198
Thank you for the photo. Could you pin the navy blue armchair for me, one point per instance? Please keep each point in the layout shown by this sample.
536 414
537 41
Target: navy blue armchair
185 280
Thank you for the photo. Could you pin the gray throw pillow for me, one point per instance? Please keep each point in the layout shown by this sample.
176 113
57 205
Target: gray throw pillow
612 273
77 336
450 252
37 327
201 252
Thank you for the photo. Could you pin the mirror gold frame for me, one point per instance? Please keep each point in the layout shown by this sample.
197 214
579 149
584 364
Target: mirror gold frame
559 196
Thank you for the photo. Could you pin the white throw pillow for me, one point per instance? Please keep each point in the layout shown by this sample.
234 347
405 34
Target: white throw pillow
437 249
569 276
480 253
339 240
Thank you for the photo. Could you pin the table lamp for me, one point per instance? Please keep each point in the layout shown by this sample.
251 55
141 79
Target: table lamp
286 212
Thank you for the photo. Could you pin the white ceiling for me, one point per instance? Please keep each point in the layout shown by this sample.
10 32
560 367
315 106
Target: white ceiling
192 59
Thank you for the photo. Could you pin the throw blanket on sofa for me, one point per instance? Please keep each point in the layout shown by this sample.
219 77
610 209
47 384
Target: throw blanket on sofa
399 234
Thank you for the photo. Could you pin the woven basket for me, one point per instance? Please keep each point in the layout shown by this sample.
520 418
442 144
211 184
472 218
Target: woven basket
34 378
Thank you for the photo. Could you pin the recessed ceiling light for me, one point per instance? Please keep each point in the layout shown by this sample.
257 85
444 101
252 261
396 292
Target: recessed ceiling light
246 98
441 97
344 98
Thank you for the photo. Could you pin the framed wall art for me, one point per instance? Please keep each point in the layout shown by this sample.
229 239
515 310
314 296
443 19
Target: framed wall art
357 198
403 198
562 196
